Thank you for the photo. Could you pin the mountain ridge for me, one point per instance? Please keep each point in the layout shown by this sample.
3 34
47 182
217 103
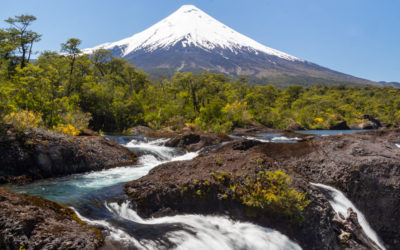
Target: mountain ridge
191 40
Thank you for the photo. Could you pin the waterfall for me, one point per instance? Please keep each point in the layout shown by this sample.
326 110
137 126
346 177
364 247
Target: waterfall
66 189
93 197
340 203
195 232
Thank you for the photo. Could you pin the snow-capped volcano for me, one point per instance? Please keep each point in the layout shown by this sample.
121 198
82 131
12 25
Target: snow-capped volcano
190 26
191 40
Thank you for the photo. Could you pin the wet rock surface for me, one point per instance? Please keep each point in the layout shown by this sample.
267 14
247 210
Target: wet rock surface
253 131
140 131
173 188
351 233
37 154
365 166
194 141
339 126
29 222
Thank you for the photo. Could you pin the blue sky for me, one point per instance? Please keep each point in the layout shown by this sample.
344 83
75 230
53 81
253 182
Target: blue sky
358 37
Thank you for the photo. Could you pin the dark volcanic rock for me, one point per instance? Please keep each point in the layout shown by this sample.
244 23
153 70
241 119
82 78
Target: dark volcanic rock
364 125
295 126
88 132
365 166
196 141
371 123
140 130
253 131
32 222
38 154
173 188
351 233
339 126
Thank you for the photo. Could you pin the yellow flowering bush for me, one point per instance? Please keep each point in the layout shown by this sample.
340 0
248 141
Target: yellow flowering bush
272 189
268 190
24 119
318 119
237 113
66 129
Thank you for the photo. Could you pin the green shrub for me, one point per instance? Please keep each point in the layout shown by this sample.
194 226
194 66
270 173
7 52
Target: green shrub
272 190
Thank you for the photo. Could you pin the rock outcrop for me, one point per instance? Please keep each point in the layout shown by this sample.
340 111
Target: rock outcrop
30 222
369 123
365 166
140 131
37 154
295 126
350 232
339 126
195 187
194 141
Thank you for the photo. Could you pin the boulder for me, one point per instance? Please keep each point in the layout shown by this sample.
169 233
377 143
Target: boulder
351 232
30 222
370 123
295 126
88 132
37 154
339 126
364 125
196 141
140 131
253 130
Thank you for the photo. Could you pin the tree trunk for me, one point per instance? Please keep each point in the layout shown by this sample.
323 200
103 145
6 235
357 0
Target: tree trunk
71 70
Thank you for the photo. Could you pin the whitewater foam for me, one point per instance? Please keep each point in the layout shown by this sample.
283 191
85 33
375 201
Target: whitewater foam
340 203
208 232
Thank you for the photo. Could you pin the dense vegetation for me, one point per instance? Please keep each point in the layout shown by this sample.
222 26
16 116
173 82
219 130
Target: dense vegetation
69 91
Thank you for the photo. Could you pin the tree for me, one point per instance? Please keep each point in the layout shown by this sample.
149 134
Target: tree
22 37
72 50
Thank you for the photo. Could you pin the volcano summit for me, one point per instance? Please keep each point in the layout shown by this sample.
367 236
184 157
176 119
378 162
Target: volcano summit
191 40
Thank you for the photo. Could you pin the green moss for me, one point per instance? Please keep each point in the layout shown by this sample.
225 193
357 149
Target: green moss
218 161
345 238
260 161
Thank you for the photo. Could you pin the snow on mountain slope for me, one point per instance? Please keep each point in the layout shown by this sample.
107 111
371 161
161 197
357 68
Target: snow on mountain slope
191 27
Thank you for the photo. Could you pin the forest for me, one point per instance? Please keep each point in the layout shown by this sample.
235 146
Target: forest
67 91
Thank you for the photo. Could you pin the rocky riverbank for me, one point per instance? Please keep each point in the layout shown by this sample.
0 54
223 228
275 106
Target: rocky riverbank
366 167
37 154
29 222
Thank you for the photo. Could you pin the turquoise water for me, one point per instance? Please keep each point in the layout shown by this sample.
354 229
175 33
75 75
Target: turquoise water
269 137
99 199
279 138
318 133
70 188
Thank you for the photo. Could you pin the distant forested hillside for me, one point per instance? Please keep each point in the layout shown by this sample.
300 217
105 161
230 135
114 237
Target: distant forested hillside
70 91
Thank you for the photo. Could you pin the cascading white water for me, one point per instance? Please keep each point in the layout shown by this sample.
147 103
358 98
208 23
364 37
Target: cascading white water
159 154
123 228
340 203
62 189
115 233
277 138
397 144
204 232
